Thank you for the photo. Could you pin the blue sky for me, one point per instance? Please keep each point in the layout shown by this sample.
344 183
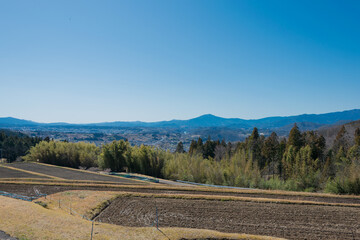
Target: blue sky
94 61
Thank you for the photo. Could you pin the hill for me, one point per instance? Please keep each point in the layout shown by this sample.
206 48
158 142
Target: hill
309 121
166 134
330 132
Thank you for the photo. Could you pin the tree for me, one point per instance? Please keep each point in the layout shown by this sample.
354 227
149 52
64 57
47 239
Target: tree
295 138
288 162
270 151
357 136
193 147
341 140
254 147
209 148
180 148
114 155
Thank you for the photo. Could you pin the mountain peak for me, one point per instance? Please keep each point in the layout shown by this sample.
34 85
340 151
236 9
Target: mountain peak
208 116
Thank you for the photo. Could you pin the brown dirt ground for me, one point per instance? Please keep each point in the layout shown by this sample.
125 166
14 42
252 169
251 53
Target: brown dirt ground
28 190
70 174
10 173
278 220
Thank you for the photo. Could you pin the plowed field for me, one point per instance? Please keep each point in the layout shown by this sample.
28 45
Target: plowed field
278 220
10 173
70 174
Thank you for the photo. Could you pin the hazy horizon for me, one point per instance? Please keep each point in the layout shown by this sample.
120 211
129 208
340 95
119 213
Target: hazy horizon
139 120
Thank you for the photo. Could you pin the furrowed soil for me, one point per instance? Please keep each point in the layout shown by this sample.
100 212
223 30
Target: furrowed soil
289 221
28 190
70 174
10 173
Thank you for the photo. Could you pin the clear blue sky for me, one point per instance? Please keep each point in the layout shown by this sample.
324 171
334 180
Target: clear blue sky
94 61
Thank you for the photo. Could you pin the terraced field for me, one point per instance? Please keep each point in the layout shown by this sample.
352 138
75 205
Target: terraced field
70 174
291 221
290 215
13 173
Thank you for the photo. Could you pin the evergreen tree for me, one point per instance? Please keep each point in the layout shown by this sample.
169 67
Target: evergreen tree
357 136
180 148
295 138
193 147
341 140
254 148
209 148
270 151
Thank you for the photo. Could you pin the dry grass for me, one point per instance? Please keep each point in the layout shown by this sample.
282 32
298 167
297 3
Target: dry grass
94 198
234 198
26 220
82 202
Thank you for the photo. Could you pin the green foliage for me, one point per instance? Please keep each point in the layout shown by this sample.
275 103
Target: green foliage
295 137
180 148
64 154
14 145
299 164
357 136
115 155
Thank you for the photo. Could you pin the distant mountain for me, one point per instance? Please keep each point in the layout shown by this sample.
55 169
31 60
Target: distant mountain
10 121
305 122
166 134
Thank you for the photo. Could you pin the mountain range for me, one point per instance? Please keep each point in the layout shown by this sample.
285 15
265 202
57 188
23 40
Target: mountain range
166 134
306 121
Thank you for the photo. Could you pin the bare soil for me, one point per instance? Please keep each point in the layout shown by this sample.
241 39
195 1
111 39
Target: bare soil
70 174
278 220
10 173
28 190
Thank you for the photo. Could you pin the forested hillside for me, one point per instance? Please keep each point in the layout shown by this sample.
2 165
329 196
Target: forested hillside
301 163
15 144
330 132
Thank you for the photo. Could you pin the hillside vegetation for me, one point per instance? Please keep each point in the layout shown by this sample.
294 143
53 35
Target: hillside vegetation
300 163
330 133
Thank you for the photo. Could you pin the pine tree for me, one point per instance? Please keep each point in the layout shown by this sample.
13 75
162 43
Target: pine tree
193 147
180 148
357 136
270 150
209 148
295 138
341 140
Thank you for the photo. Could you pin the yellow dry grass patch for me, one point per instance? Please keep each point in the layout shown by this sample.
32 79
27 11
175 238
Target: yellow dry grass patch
27 220
78 202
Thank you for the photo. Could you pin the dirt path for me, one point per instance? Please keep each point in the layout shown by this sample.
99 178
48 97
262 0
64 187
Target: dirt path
278 220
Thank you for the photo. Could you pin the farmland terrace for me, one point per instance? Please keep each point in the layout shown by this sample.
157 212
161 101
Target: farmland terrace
291 215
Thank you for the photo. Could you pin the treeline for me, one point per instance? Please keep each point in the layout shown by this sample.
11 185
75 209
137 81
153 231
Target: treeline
14 145
117 156
300 163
